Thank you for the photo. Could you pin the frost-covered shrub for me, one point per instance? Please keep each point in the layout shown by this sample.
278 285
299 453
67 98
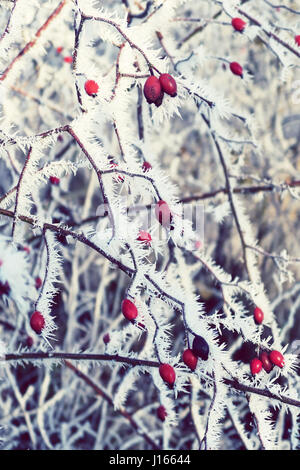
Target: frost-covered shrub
143 227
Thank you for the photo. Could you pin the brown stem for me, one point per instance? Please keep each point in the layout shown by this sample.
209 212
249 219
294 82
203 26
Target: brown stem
31 43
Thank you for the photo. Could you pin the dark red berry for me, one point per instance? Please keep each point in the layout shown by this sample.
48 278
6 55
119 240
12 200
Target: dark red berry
297 40
59 50
190 359
200 348
37 322
54 180
4 288
276 358
91 87
146 166
27 249
38 282
106 338
266 363
236 69
163 213
129 310
168 84
144 237
255 366
161 413
258 316
29 341
167 373
152 89
238 24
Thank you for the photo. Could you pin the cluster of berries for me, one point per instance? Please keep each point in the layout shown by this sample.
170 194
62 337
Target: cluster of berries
155 88
265 361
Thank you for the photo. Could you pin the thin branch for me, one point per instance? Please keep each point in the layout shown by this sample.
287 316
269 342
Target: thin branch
31 43
106 397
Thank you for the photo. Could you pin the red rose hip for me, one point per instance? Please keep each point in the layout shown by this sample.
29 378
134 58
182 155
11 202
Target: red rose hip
276 358
238 24
266 363
129 310
236 69
106 338
144 237
91 87
146 166
167 373
163 213
161 413
190 359
54 180
255 366
297 40
168 84
37 322
38 282
258 316
152 89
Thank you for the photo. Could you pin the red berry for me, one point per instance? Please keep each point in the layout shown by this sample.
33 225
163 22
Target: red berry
91 87
266 363
238 24
168 84
68 59
277 358
190 359
144 237
38 282
129 310
161 413
59 50
236 69
255 366
37 322
106 338
163 213
258 316
167 373
146 166
4 288
29 341
152 89
54 180
27 249
297 40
